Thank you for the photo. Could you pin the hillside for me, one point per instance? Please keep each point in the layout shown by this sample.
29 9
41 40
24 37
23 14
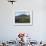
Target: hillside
22 18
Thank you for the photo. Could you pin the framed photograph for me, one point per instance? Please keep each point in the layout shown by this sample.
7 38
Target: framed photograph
23 17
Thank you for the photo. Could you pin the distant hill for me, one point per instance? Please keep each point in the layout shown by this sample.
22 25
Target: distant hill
23 15
23 18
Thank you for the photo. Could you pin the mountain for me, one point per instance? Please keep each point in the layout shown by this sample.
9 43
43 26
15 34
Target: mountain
23 18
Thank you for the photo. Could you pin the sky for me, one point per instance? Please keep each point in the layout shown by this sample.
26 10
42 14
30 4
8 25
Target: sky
22 12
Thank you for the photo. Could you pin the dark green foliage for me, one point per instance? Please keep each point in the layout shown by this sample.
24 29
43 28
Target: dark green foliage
22 19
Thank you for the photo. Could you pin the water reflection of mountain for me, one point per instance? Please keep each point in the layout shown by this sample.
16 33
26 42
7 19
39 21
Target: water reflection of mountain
23 18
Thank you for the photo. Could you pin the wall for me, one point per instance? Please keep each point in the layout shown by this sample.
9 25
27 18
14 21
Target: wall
7 11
